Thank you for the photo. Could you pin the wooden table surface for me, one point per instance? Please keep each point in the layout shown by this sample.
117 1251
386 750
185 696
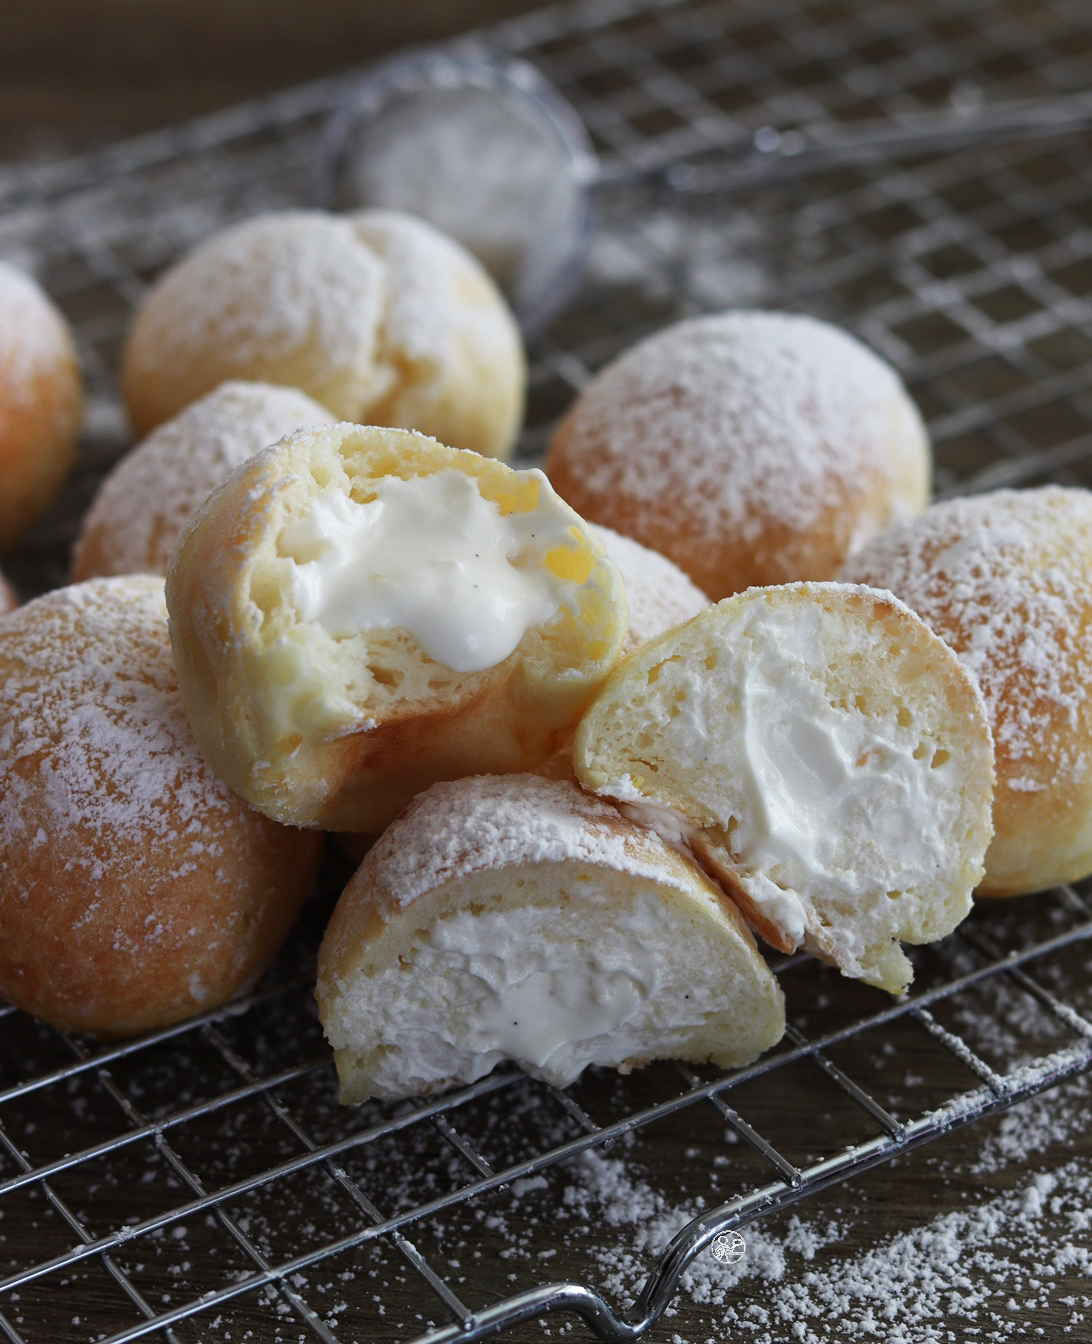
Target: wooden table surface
73 75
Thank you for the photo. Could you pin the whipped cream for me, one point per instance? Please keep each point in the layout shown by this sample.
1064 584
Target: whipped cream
828 790
812 797
519 990
431 556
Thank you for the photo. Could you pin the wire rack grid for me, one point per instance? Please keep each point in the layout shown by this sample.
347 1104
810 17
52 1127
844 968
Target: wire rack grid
202 1183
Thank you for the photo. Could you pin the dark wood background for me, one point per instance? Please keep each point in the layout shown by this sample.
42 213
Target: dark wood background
77 73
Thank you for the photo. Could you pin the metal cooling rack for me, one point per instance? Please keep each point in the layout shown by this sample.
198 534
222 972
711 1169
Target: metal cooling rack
202 1183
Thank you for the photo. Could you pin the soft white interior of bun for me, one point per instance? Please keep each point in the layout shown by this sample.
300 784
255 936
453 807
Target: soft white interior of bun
826 770
556 966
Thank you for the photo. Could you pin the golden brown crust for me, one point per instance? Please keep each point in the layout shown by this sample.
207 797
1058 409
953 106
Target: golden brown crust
41 404
376 315
135 889
749 448
1005 579
342 734
822 753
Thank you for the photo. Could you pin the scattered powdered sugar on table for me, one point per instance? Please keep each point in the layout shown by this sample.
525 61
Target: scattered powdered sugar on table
967 1273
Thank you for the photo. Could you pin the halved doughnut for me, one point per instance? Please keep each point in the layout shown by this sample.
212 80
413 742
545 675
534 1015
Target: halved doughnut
822 753
359 612
518 918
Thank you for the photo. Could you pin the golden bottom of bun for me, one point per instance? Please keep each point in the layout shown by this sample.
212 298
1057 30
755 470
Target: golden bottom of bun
822 753
135 888
517 918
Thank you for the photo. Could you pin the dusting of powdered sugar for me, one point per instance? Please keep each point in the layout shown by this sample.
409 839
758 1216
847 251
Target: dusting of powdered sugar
500 821
1005 580
430 281
33 337
268 289
97 754
973 1272
658 593
150 495
756 417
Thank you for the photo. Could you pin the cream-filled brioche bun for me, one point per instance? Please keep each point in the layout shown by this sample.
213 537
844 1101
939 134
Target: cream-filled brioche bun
822 753
747 447
135 888
147 499
517 918
1006 580
8 598
658 594
358 612
376 315
41 403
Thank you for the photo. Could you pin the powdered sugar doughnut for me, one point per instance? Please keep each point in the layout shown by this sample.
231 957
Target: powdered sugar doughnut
377 315
146 501
658 593
41 403
516 918
748 447
135 888
1006 580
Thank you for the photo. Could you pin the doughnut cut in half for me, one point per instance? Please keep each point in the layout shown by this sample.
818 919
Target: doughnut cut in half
518 918
357 613
820 752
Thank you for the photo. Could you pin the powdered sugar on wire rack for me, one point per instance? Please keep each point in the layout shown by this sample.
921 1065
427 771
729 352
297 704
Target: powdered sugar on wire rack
204 1185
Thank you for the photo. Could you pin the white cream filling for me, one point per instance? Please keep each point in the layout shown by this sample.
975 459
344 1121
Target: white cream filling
828 790
431 556
512 985
821 799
